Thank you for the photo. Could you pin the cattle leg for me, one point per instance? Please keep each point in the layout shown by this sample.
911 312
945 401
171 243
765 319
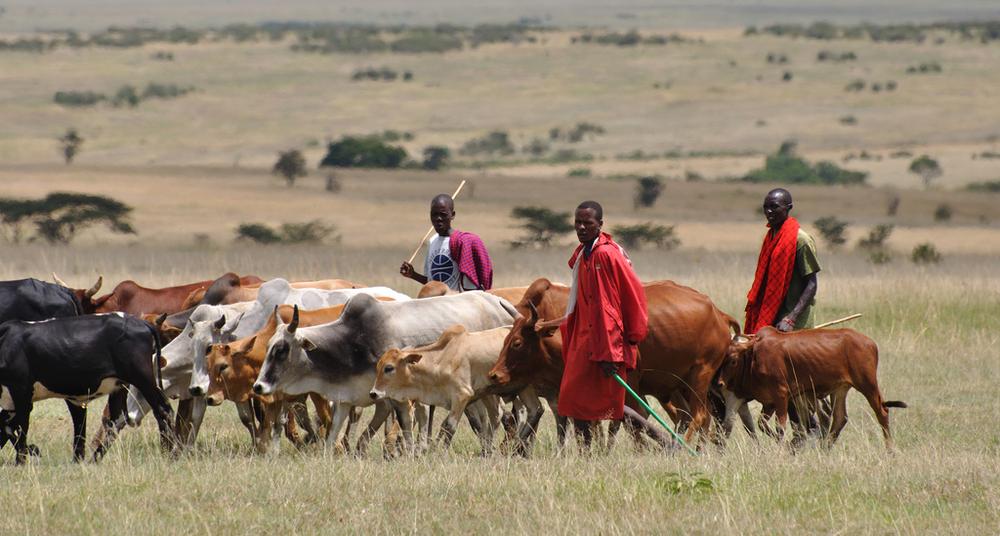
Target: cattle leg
492 404
182 423
529 428
340 414
109 431
22 414
875 400
423 430
164 416
450 423
382 410
248 416
300 412
79 416
839 417
323 415
636 421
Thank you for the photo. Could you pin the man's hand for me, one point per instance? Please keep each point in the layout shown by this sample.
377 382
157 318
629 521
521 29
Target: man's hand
406 270
609 368
787 324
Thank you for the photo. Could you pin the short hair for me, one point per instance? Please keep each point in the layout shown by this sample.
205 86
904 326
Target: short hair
443 199
780 192
595 206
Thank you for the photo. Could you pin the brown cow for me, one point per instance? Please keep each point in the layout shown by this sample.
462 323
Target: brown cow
233 368
228 289
129 297
687 342
801 367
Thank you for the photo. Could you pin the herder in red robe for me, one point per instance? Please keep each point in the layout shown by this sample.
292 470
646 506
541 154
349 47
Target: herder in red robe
606 320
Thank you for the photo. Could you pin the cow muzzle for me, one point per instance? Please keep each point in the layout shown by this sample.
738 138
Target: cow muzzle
262 389
499 378
196 391
376 394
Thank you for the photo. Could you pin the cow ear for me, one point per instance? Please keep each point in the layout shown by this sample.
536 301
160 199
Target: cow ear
247 345
308 345
547 331
413 359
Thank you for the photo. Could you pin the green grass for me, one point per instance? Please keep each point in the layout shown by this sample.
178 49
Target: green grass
938 352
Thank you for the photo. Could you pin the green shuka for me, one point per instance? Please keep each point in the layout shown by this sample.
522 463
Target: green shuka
806 262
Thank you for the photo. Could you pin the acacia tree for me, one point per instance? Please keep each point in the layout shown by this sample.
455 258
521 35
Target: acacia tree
60 215
927 168
70 143
541 225
290 165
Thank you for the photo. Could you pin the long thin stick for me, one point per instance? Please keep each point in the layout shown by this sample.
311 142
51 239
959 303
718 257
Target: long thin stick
653 413
431 230
837 321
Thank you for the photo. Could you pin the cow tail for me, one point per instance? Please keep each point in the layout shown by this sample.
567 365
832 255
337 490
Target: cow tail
894 404
734 325
158 346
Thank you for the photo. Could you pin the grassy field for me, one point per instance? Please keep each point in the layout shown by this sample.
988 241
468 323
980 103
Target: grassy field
936 328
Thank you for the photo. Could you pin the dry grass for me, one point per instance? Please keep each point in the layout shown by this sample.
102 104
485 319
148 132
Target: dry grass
935 328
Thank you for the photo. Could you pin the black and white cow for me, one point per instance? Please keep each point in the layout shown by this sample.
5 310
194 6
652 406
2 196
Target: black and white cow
78 359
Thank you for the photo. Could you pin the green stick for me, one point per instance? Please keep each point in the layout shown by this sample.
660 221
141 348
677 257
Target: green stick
653 413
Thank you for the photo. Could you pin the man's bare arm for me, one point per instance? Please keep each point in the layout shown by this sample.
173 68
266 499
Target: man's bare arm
808 294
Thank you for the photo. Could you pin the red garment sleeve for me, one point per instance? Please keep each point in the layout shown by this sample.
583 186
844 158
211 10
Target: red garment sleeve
635 315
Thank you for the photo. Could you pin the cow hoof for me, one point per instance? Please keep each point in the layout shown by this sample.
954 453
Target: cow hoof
34 452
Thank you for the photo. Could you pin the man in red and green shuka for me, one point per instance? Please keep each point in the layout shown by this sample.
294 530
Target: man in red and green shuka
606 320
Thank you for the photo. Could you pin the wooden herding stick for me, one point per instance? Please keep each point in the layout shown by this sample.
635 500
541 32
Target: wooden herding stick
431 230
839 320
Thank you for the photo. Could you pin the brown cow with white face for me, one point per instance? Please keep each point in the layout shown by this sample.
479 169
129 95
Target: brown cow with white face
687 341
801 367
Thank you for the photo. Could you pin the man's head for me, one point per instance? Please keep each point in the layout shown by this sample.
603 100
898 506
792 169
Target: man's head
442 212
588 221
777 205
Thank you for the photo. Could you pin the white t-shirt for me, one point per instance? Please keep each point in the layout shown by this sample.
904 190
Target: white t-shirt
439 265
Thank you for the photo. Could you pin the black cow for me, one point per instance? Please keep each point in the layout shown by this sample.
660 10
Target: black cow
31 299
78 359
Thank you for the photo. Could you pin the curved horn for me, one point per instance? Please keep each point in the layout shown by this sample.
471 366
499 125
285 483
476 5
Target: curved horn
220 323
59 281
160 319
533 319
97 286
295 320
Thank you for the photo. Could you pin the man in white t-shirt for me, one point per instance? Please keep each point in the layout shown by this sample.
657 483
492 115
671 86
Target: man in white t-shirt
457 259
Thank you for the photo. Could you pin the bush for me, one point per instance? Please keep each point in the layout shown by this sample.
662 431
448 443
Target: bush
632 236
776 58
312 232
647 191
927 168
290 165
579 172
879 256
541 225
826 55
832 230
925 253
495 142
426 41
436 157
70 143
855 85
537 147
893 206
987 186
942 212
578 132
78 98
364 152
849 120
876 237
786 167
165 91
257 232
126 95
924 68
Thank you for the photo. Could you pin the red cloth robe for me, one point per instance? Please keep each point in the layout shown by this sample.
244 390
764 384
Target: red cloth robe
775 265
610 311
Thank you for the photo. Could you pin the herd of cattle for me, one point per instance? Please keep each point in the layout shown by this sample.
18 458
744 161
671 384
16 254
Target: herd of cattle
268 347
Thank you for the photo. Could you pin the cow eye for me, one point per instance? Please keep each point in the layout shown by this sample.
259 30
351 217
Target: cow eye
223 367
388 369
516 344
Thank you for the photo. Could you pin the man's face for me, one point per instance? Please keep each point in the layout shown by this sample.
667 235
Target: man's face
776 208
441 216
588 227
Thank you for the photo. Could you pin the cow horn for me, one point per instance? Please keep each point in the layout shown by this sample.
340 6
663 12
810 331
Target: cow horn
220 323
97 286
534 313
59 281
295 320
160 319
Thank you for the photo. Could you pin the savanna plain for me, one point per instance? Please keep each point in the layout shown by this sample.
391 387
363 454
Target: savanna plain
708 110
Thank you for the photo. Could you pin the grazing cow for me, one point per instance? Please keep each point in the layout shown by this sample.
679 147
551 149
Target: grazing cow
801 367
451 372
77 359
687 341
31 299
230 289
337 360
436 288
273 293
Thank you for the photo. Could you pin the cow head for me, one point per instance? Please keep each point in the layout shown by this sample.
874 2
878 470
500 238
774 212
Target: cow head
524 350
285 349
393 371
85 298
231 374
203 334
738 356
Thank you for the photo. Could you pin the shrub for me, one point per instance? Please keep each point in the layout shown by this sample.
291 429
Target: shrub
126 95
426 41
70 143
578 132
987 186
855 85
927 168
364 152
165 91
924 68
541 225
776 58
257 232
786 167
893 206
942 212
925 253
787 76
647 191
826 55
879 256
876 237
311 232
436 157
78 98
537 147
494 142
579 172
290 165
849 120
632 236
832 230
